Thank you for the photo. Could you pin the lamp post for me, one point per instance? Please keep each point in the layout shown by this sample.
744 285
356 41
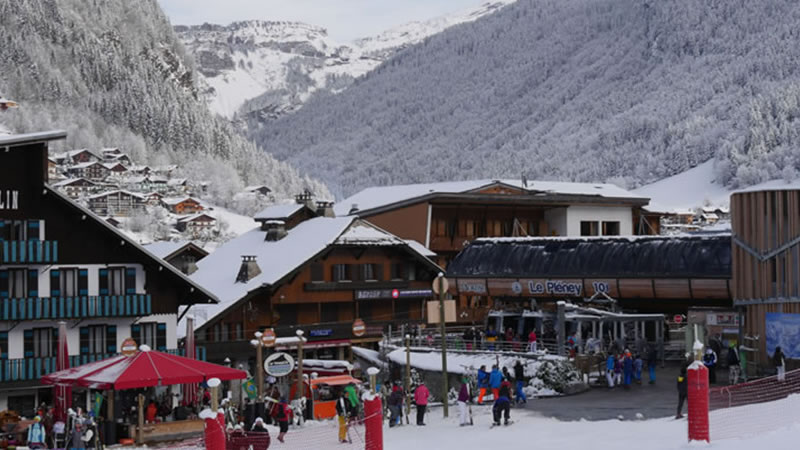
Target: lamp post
441 282
299 393
259 345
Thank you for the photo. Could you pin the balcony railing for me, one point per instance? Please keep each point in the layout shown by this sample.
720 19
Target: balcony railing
29 252
46 308
31 369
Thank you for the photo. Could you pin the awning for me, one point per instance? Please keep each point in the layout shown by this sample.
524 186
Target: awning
338 380
143 369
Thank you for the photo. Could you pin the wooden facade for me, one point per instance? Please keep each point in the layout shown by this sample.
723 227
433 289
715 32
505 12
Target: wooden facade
766 257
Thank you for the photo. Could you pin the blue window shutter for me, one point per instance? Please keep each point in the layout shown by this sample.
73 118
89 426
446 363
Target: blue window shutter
33 283
136 333
161 336
84 340
55 286
33 230
103 281
130 280
111 338
28 343
83 282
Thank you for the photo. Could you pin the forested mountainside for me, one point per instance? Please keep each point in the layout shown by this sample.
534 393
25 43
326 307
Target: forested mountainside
588 90
259 70
112 73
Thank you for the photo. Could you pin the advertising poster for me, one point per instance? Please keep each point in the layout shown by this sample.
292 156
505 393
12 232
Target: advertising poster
784 330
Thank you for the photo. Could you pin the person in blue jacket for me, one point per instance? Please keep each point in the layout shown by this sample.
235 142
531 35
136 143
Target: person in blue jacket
483 383
502 407
627 368
495 380
612 359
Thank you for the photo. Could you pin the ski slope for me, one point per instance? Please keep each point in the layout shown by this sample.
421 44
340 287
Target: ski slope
687 190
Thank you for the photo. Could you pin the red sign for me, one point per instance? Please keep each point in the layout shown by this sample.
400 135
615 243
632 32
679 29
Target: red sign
677 318
359 328
128 347
268 337
395 293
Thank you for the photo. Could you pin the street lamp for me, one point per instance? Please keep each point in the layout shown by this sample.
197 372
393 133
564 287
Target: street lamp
299 394
259 345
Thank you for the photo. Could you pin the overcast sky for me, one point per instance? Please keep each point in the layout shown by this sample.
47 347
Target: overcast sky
344 19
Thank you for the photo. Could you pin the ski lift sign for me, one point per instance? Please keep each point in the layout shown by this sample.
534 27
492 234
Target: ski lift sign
279 364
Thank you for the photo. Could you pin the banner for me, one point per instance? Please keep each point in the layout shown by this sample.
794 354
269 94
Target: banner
250 388
783 330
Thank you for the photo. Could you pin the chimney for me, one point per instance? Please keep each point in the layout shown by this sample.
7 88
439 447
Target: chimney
353 209
325 209
276 230
248 270
306 198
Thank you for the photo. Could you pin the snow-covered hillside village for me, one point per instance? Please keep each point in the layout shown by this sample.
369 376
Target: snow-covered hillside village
375 224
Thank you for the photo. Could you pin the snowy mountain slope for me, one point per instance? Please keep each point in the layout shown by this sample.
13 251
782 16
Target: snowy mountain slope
579 90
116 76
691 189
266 69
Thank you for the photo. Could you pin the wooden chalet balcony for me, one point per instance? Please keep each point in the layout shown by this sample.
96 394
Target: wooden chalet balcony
29 252
31 369
51 308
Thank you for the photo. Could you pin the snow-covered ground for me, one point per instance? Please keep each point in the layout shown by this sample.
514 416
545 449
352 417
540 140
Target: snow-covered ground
687 190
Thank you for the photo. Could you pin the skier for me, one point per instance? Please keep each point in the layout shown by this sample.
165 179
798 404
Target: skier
780 363
483 383
637 368
627 365
519 381
352 398
395 405
610 364
495 379
652 360
733 364
342 413
502 407
464 396
37 434
283 418
682 392
618 369
259 426
421 395
710 361
532 341
506 383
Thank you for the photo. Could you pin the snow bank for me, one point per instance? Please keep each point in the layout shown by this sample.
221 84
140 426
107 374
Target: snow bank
689 189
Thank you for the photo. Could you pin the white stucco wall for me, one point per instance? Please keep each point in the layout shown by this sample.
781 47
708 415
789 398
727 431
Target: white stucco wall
576 214
556 221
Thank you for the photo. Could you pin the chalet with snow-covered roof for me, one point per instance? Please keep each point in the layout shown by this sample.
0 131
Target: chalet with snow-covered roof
291 214
75 157
76 187
117 202
61 262
258 189
116 167
319 276
447 216
153 198
183 255
91 170
196 224
182 205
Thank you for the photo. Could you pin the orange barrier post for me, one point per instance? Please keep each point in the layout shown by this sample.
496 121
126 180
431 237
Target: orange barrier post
698 402
373 422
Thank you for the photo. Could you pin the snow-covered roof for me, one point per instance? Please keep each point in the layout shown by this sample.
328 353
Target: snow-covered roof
773 185
256 187
72 153
176 181
69 181
113 165
104 194
162 249
381 196
177 200
85 165
421 249
195 216
277 259
283 211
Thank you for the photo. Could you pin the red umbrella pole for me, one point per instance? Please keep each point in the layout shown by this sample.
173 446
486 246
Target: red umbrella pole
62 393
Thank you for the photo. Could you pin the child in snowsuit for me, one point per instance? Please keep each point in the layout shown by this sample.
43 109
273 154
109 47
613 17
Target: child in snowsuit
610 364
637 369
502 407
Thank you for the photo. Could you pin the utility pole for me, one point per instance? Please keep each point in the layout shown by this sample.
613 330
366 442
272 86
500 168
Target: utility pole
408 372
259 368
440 280
299 364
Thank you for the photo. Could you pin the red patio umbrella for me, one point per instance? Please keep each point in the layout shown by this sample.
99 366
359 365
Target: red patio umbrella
144 369
62 393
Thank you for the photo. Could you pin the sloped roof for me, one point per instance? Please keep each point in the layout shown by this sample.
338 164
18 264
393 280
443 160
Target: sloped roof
277 259
279 212
105 194
165 249
177 200
69 181
706 256
85 165
196 216
383 196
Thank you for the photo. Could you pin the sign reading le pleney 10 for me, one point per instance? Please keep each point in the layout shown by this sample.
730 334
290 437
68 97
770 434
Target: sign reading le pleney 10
536 287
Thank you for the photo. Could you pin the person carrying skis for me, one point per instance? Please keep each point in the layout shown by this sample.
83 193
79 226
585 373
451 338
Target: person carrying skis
780 363
683 391
519 383
421 395
652 360
283 416
464 396
611 363
483 383
495 380
395 405
733 364
502 407
710 361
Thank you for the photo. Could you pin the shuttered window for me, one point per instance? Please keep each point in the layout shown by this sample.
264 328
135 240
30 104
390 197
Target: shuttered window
33 282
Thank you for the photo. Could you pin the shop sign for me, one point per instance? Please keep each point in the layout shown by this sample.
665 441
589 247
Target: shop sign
731 319
279 364
555 287
268 337
472 286
359 328
516 287
9 199
320 332
375 294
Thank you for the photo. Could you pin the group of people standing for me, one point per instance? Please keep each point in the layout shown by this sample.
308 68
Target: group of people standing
625 368
497 379
397 399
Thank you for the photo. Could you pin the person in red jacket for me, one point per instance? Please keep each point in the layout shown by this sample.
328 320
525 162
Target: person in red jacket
532 341
421 395
283 414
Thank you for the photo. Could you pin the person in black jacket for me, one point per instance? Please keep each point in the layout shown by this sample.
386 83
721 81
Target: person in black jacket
780 363
342 415
395 405
519 383
682 392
